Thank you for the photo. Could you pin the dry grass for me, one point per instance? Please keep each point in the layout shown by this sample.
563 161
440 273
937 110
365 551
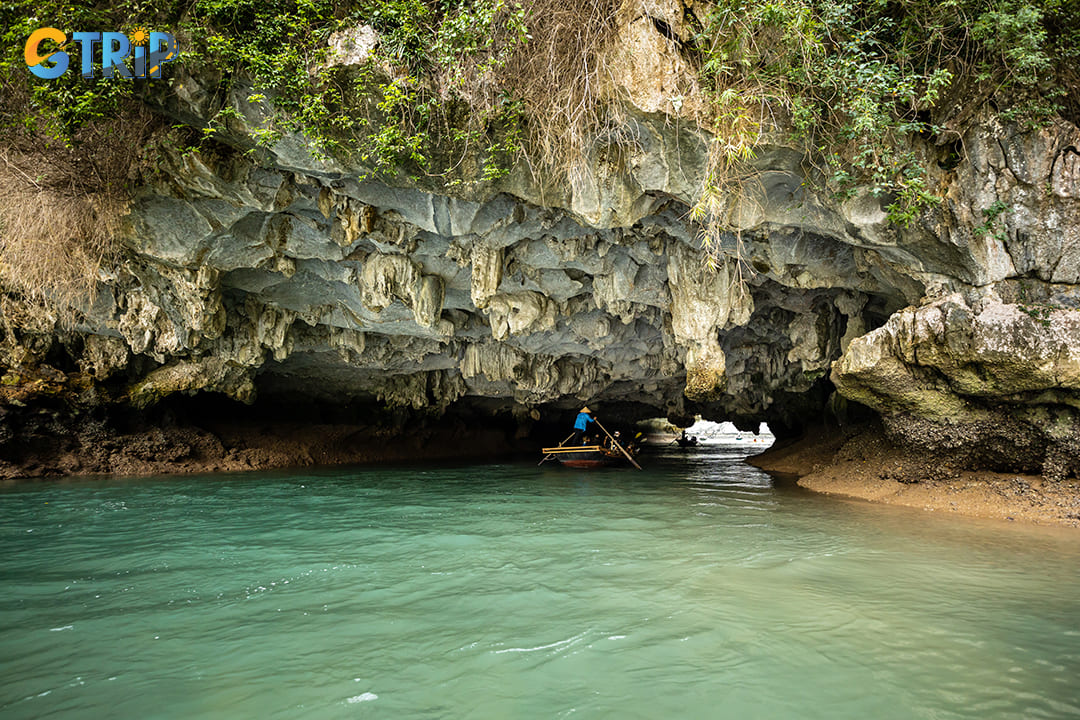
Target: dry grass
53 243
61 207
558 75
561 75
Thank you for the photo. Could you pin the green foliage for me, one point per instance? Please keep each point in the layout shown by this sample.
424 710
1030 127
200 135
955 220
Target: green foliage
858 80
490 30
56 107
1013 31
1038 311
855 80
389 111
272 45
990 218
405 26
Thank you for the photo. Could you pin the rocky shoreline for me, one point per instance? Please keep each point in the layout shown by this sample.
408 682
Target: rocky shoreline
857 462
863 464
49 443
195 450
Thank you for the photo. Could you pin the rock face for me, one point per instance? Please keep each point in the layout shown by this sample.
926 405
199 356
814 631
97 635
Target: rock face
296 278
272 282
996 384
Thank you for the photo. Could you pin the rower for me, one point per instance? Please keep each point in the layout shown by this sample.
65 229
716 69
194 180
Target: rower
581 424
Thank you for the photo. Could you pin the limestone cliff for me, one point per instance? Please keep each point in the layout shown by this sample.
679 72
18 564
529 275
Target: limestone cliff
287 276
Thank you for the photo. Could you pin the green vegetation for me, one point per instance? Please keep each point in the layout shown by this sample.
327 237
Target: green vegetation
1037 310
417 92
989 225
853 80
67 167
460 90
856 82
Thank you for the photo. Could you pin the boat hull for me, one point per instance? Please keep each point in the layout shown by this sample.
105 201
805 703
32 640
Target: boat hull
586 460
586 456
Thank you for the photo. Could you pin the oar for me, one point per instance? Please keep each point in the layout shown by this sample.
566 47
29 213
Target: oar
616 444
549 455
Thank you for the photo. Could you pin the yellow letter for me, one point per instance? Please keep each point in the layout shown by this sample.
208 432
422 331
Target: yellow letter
32 44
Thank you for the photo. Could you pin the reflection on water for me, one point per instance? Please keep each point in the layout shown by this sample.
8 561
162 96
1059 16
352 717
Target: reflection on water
694 589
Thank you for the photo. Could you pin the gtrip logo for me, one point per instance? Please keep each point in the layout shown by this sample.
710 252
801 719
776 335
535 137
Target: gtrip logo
145 53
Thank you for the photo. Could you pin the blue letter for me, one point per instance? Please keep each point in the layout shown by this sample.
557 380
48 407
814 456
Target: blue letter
114 48
86 42
138 61
162 50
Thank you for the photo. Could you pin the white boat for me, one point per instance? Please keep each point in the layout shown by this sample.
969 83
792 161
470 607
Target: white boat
725 433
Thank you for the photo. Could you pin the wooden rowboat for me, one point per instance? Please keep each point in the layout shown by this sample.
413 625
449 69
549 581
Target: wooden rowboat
585 456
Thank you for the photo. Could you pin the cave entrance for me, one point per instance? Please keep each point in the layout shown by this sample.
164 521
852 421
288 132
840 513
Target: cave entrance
660 431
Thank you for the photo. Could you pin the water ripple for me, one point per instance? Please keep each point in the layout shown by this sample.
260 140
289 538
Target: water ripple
695 589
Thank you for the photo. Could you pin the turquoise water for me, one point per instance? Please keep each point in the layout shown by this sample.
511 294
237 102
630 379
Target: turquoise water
695 589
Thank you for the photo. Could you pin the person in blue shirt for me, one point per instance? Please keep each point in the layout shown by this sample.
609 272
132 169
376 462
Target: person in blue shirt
581 424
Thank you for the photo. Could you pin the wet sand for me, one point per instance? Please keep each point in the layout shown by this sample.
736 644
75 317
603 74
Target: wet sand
865 465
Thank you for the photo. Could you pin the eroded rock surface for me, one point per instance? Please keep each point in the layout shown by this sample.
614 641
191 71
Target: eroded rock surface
996 384
296 277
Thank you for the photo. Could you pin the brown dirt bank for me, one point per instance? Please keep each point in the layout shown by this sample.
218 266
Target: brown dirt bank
864 464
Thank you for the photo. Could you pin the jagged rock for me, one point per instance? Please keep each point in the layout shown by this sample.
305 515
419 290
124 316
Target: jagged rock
934 361
647 65
487 273
213 374
103 356
995 380
436 389
386 278
293 277
519 313
703 302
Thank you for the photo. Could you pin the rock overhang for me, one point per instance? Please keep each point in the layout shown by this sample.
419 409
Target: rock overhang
294 276
350 291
